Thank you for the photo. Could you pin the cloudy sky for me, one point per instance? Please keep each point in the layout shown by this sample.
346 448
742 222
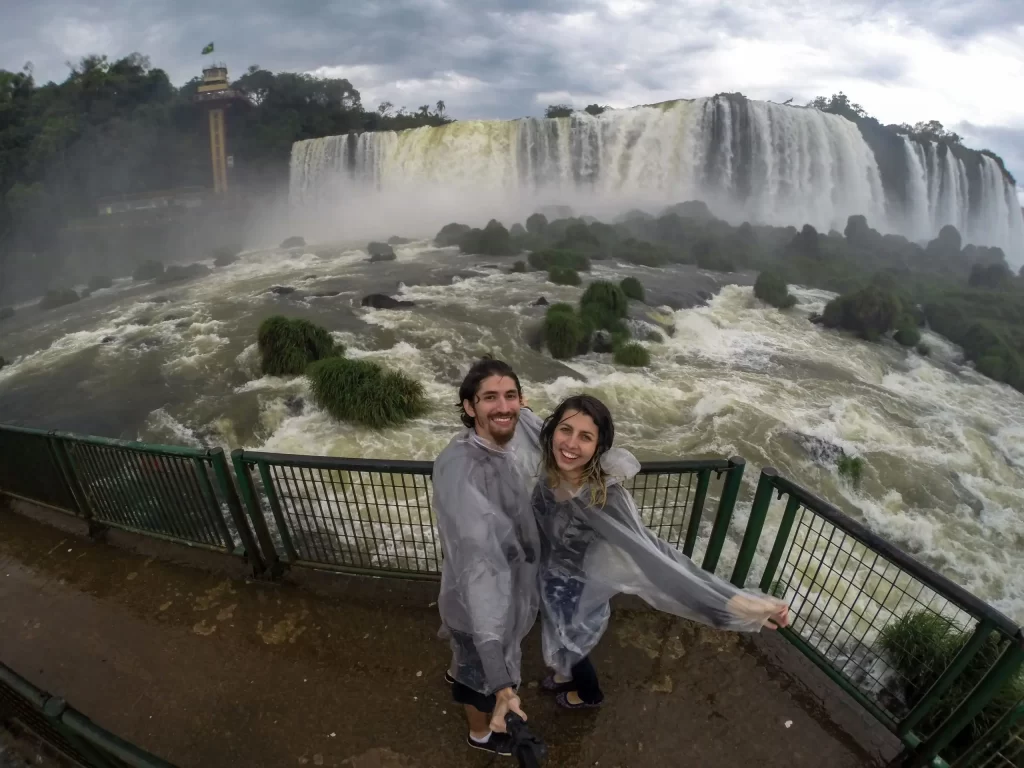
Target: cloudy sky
904 60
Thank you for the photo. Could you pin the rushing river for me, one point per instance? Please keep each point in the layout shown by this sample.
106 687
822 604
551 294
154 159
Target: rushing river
943 446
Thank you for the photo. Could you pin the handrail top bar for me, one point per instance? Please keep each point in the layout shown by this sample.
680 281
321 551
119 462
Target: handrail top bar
132 445
954 592
426 467
304 461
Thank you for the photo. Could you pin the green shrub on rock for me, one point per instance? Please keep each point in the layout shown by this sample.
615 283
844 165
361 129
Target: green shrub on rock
148 270
564 276
770 287
633 288
607 296
553 257
632 354
492 240
851 467
907 333
564 332
58 297
920 646
536 224
363 392
869 312
288 345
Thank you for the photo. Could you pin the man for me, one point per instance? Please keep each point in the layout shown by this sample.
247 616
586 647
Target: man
489 598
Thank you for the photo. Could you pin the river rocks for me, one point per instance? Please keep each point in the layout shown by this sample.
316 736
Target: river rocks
2 363
225 260
380 252
58 298
281 290
817 319
601 342
107 339
517 230
98 282
380 301
451 234
148 270
178 272
660 318
6 313
293 242
295 405
541 302
324 294
396 240
818 448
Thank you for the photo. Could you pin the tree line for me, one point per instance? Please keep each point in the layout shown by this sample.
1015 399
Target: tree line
121 127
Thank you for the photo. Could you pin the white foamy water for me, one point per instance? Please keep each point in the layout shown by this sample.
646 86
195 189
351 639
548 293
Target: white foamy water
944 473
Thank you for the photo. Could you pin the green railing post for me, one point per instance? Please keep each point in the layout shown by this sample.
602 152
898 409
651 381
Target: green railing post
71 481
755 524
252 504
227 491
726 504
998 676
932 696
995 734
696 512
781 539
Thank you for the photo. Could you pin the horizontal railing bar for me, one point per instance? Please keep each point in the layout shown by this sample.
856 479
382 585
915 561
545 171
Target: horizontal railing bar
683 465
22 687
131 445
398 466
936 581
24 430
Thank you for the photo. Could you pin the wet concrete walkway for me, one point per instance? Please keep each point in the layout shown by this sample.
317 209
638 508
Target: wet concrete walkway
208 669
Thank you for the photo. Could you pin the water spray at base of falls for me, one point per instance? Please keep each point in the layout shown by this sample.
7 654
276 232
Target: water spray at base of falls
749 160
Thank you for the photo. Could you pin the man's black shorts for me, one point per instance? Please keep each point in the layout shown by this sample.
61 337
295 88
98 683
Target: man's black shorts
465 695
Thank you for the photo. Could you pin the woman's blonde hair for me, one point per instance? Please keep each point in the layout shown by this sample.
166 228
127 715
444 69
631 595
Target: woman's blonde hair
593 475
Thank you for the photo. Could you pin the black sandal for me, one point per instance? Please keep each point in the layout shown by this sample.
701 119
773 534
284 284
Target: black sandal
550 685
562 700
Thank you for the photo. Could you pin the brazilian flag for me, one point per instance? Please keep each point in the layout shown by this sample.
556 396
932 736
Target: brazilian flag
208 49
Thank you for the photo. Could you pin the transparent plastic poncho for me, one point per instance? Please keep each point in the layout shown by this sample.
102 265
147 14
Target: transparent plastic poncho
591 553
488 599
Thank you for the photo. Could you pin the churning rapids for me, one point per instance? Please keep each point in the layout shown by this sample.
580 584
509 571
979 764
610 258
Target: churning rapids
944 447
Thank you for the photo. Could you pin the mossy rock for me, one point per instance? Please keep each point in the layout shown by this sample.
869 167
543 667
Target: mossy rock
58 297
492 240
451 234
99 282
553 257
2 363
907 333
148 270
633 288
288 345
632 354
293 242
771 288
225 255
380 252
519 266
363 392
564 276
851 467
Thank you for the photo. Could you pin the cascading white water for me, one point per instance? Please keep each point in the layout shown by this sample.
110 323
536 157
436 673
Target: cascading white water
940 191
750 160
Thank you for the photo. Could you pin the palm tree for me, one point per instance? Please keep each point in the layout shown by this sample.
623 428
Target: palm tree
440 108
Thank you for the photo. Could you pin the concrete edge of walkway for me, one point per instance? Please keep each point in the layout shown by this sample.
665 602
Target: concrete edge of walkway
845 718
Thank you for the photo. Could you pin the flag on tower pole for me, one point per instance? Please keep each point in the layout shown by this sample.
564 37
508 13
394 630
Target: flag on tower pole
208 49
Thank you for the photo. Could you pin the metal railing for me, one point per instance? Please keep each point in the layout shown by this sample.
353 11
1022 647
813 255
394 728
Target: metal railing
374 517
1002 746
181 494
928 659
33 713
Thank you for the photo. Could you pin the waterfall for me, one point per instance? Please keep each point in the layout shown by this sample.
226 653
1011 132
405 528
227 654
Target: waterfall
749 160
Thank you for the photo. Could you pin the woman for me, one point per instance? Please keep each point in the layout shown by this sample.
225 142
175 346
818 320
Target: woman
594 546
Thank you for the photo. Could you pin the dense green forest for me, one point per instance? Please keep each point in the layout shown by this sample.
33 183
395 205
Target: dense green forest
116 127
